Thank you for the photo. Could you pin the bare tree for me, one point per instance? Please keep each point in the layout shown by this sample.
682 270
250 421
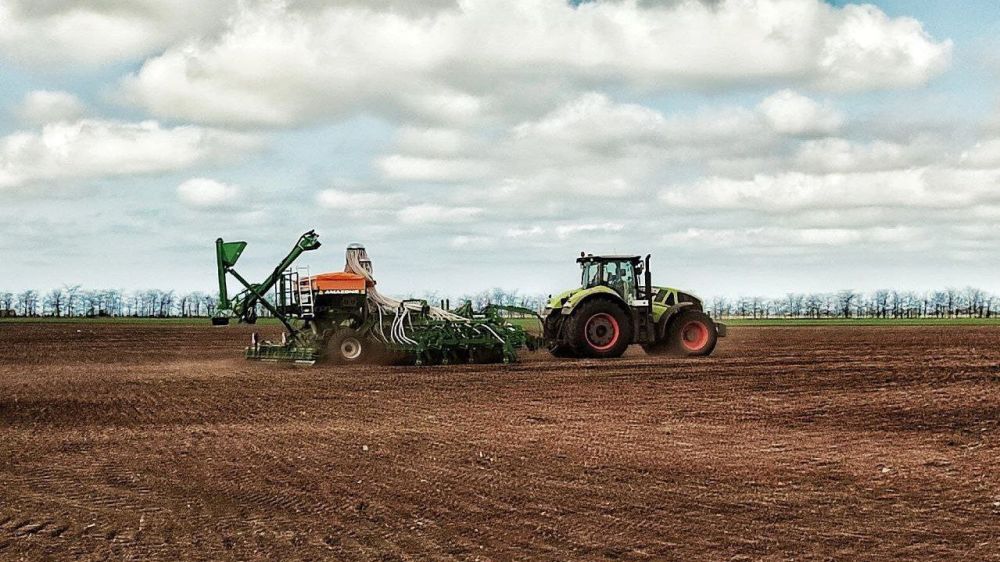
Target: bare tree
845 301
166 303
973 301
53 302
720 307
6 301
27 302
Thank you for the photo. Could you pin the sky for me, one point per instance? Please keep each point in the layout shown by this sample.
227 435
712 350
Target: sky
753 147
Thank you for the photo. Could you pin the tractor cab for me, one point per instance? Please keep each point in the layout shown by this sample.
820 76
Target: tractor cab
619 273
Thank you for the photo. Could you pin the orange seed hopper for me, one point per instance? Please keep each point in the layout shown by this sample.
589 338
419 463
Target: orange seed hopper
338 283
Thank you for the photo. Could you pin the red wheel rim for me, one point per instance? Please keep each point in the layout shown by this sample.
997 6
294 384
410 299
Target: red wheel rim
694 335
602 331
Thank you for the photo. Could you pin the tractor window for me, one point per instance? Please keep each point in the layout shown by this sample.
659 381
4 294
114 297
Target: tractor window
620 276
628 280
610 273
591 274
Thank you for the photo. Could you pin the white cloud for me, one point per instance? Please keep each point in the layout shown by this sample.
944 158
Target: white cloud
437 214
205 193
44 106
568 230
983 154
588 149
278 65
433 141
93 148
419 169
64 32
341 200
869 50
782 238
841 155
923 188
518 232
792 113
472 241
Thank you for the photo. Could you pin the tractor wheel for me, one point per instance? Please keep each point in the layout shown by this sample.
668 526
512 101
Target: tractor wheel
691 332
601 329
349 346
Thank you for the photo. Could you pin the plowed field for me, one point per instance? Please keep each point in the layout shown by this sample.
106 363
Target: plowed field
159 442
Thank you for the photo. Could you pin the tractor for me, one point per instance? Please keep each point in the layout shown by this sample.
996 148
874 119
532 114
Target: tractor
617 306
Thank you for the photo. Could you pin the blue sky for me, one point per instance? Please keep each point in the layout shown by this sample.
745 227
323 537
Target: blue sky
754 147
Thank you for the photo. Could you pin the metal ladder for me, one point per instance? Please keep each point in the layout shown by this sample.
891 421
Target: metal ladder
305 290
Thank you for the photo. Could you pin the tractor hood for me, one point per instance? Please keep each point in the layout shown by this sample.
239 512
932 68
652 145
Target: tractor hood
556 301
567 301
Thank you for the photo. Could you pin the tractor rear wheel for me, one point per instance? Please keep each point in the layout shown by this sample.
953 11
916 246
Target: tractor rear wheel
348 346
691 332
599 328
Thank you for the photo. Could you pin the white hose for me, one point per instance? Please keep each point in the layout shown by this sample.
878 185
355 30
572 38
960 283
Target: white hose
359 264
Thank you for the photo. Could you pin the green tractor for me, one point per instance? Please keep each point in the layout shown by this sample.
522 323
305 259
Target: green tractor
617 305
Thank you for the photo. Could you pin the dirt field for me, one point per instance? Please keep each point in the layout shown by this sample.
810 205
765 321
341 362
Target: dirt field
159 442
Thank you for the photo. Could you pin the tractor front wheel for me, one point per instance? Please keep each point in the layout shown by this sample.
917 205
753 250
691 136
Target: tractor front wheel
601 329
691 332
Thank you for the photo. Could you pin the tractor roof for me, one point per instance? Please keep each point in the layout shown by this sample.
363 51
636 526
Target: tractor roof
591 257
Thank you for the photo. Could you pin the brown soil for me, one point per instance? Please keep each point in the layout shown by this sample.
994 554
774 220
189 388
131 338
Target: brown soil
158 442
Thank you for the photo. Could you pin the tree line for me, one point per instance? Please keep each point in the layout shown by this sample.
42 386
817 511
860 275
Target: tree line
75 301
969 302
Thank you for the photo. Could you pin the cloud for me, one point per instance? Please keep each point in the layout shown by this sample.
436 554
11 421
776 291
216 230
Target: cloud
472 241
520 232
279 64
783 238
66 32
44 106
568 230
205 193
984 154
841 155
94 148
437 214
419 169
792 113
590 148
920 188
869 49
340 200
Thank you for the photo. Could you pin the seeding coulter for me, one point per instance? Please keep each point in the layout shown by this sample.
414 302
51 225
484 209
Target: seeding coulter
341 316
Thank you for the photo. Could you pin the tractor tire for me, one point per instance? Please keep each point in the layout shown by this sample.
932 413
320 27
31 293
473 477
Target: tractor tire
349 347
601 329
691 333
